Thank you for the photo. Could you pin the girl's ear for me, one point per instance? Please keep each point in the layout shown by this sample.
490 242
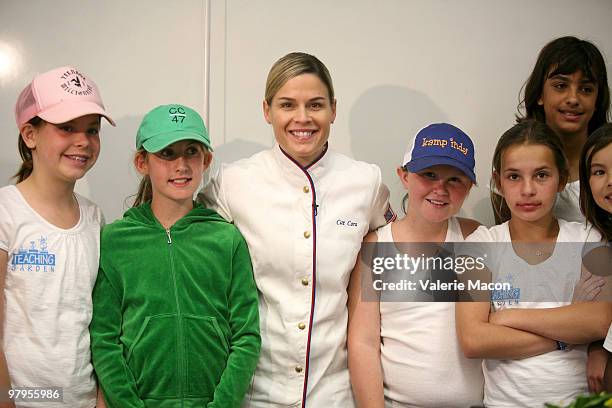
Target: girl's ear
540 101
402 173
141 164
28 134
333 107
207 159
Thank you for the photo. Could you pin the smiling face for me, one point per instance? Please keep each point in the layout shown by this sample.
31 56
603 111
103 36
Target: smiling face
175 171
64 151
529 181
600 179
301 114
569 103
435 193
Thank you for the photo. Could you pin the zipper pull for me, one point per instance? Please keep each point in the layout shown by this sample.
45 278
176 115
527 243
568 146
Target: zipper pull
168 234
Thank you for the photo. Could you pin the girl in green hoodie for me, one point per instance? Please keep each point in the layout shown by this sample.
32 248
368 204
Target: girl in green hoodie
175 320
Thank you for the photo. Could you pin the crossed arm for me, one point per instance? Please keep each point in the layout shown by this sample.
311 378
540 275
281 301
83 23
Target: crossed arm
520 333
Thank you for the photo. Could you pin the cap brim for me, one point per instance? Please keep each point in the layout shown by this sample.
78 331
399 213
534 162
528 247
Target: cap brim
69 110
429 161
162 140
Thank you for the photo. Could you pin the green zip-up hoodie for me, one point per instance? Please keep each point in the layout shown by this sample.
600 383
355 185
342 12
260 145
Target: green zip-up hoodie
175 319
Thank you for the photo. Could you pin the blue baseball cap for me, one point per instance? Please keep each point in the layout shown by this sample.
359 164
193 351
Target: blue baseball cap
441 143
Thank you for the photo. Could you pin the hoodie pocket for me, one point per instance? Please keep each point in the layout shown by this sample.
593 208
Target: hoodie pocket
152 358
207 350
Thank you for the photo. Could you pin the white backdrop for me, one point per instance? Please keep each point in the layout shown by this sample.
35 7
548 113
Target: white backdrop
396 64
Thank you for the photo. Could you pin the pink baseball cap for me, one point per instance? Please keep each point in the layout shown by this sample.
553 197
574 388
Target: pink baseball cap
58 96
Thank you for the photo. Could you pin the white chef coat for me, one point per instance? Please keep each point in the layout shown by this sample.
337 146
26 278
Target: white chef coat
304 228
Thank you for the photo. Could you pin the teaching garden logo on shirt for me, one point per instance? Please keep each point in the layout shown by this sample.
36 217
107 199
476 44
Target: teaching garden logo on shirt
507 297
34 259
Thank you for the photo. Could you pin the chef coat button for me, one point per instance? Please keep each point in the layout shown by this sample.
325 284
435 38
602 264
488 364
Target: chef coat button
301 326
306 189
306 234
305 281
299 369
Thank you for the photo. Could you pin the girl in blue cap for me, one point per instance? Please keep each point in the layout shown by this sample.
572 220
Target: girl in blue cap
175 321
400 347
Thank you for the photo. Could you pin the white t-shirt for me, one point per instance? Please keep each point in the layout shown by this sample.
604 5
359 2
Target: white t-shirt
567 206
419 350
557 376
50 276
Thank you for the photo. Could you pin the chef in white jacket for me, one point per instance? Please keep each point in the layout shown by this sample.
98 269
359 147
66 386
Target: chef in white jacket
303 211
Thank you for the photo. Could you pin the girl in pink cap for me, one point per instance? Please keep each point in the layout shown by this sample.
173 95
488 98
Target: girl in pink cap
49 246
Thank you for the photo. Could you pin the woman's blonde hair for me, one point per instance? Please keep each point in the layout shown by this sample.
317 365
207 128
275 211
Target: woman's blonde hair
292 65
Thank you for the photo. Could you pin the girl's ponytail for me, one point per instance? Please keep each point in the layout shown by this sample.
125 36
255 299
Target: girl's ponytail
145 192
26 154
145 188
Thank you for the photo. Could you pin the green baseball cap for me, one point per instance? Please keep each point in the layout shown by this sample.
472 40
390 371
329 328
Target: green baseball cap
167 124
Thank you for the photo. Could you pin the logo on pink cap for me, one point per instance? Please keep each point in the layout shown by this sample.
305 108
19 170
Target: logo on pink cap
58 96
76 84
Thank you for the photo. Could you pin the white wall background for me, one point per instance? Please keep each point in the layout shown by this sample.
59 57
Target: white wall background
397 65
141 54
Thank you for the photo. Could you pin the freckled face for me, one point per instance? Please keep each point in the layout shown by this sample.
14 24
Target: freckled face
301 114
436 193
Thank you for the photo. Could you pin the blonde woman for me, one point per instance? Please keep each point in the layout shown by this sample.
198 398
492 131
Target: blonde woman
303 211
